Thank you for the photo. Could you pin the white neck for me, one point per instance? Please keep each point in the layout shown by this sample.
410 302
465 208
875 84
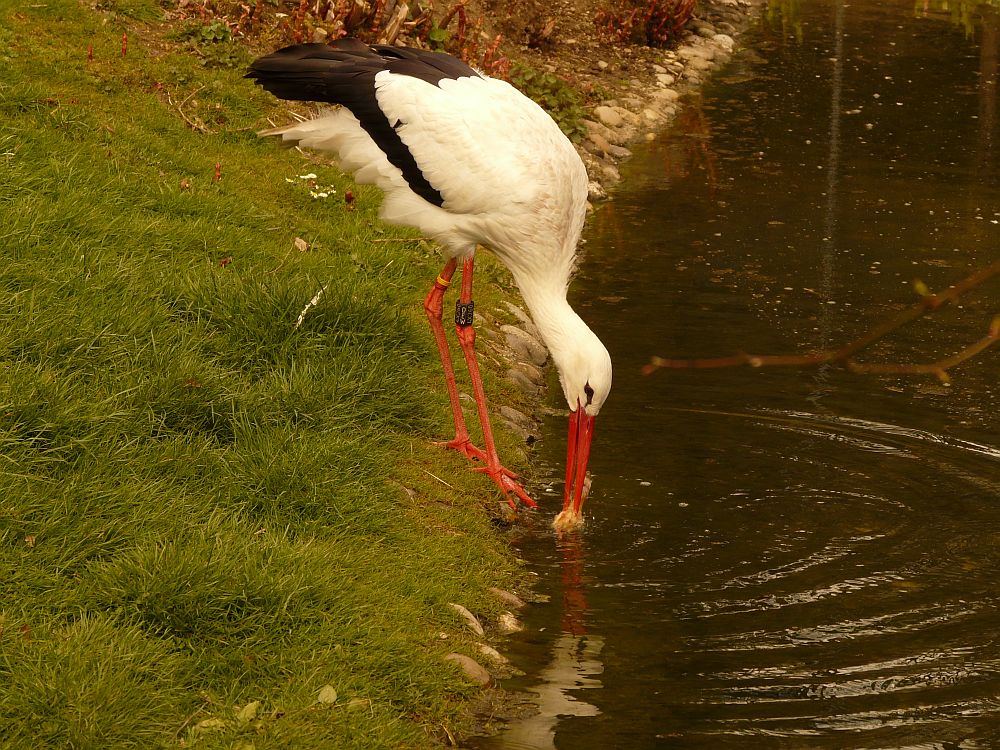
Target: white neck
550 311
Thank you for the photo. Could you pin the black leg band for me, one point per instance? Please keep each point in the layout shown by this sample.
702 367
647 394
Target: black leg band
464 313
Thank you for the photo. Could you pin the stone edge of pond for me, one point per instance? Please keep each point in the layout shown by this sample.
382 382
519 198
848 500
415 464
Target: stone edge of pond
641 107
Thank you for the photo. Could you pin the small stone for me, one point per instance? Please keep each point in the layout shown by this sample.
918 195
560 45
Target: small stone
525 346
725 41
511 600
509 623
517 312
473 669
491 653
667 95
596 192
609 116
320 35
536 374
518 417
699 63
527 435
650 115
627 116
659 68
600 142
603 65
691 52
525 384
665 78
619 152
470 618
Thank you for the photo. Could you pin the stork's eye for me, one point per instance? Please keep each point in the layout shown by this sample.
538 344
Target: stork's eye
590 393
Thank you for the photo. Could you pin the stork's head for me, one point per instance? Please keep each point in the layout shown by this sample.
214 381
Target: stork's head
585 374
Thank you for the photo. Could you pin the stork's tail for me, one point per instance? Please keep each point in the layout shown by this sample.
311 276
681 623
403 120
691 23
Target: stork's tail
303 71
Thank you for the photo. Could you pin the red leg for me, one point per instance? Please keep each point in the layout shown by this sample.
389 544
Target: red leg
433 306
467 338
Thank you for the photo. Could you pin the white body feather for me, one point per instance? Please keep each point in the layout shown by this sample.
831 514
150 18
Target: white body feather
510 180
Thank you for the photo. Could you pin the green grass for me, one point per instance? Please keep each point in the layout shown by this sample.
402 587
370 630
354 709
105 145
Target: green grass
205 510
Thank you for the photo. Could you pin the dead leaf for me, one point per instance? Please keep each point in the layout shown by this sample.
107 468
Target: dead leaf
301 245
249 711
210 725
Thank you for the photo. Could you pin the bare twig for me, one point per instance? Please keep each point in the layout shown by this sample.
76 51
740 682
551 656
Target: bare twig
309 305
844 355
200 127
435 476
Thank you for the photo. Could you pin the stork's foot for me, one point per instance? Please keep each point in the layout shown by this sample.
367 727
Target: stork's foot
465 447
471 452
504 479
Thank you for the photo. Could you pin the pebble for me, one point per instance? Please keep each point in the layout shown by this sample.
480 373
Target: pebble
517 312
519 423
600 143
603 65
596 192
491 653
666 79
725 41
609 116
470 618
511 600
509 623
509 412
472 668
667 95
525 384
525 346
659 68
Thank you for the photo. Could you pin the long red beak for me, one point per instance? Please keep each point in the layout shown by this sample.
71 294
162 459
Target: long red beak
581 433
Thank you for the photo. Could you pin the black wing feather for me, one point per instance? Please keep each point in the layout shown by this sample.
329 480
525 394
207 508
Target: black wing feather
344 73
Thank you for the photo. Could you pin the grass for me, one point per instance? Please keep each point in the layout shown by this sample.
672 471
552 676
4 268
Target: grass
207 514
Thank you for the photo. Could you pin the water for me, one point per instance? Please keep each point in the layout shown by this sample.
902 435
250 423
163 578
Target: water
789 557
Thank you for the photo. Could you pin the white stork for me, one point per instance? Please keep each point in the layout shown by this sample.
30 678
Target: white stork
468 160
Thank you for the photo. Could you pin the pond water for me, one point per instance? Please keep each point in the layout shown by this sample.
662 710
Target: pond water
789 557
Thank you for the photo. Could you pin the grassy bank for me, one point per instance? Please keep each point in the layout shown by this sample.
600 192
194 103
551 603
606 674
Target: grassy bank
207 514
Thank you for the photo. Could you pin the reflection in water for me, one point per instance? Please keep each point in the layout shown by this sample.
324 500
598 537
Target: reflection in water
574 609
769 566
574 662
